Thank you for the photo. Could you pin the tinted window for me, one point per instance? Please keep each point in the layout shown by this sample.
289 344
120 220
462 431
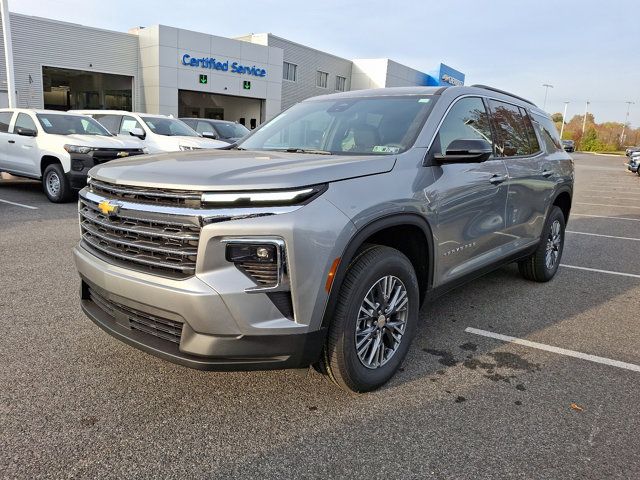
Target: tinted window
534 146
512 137
169 126
5 120
110 122
231 130
549 134
24 121
383 125
61 124
128 124
467 120
202 127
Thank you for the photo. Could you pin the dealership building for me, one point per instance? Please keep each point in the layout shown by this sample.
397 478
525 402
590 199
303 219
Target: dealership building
162 69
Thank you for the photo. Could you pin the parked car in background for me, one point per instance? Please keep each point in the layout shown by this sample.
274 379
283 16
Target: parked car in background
224 130
56 147
630 150
317 238
156 133
634 162
568 145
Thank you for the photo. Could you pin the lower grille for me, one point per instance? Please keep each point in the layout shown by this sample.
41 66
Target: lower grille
264 274
137 320
158 246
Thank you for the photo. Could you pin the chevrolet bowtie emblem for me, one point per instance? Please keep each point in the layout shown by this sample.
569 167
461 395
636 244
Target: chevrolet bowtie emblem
122 154
108 208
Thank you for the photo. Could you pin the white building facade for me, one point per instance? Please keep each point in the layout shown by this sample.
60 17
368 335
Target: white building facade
167 70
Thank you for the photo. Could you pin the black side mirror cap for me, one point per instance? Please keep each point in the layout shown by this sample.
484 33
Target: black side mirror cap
27 132
466 151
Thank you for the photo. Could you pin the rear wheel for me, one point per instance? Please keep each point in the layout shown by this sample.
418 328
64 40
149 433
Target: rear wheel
374 322
543 264
56 184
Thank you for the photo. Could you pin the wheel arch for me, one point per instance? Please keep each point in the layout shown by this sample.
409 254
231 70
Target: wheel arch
47 160
562 200
409 233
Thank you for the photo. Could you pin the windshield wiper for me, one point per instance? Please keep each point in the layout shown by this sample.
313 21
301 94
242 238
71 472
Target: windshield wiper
302 150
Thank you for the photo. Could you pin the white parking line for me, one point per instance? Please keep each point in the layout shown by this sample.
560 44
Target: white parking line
603 216
19 204
558 350
605 236
610 272
607 205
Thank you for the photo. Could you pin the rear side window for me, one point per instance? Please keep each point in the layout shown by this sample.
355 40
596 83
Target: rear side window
467 120
5 120
110 122
512 137
534 145
549 134
24 121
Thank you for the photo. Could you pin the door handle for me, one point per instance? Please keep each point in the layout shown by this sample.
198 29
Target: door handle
498 179
11 141
547 173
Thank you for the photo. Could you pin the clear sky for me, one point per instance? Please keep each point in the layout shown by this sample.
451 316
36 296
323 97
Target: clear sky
587 49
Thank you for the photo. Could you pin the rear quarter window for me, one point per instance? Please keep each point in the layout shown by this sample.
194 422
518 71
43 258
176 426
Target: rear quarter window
548 133
5 120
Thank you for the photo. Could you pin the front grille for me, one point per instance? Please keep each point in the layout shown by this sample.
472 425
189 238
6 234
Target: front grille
134 319
148 195
101 155
162 246
264 274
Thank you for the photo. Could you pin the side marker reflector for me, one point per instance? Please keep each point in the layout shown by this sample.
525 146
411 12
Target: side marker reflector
332 274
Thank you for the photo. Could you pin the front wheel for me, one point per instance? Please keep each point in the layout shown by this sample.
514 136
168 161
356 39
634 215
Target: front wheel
543 264
374 322
56 184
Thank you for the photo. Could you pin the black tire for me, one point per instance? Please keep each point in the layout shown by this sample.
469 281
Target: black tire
56 184
536 267
340 358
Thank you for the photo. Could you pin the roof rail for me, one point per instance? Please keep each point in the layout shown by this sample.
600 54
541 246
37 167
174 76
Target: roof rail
486 87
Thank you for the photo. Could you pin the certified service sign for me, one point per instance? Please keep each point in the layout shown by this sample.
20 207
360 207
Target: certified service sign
224 66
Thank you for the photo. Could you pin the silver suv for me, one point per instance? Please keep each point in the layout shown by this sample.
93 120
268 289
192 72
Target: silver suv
315 240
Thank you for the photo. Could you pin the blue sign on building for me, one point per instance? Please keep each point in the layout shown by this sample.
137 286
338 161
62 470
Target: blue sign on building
213 64
445 76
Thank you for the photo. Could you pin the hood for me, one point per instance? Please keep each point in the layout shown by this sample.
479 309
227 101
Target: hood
99 141
228 170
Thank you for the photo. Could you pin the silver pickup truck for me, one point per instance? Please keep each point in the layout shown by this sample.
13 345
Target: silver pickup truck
315 240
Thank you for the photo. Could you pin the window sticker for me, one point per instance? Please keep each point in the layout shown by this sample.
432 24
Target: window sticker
385 149
46 122
424 100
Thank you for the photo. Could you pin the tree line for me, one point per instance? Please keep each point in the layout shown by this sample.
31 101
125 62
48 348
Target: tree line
598 137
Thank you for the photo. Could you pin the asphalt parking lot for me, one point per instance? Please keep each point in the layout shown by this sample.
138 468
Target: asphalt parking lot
75 402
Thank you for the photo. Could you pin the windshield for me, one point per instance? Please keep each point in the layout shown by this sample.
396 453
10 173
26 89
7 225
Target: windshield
231 130
169 127
61 124
383 125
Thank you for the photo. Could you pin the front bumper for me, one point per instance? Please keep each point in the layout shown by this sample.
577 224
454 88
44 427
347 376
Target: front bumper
633 167
81 163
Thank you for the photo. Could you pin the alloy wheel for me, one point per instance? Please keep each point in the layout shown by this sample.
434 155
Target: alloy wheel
382 321
53 184
554 242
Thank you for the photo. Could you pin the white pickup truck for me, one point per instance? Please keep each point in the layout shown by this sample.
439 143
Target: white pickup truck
156 133
56 147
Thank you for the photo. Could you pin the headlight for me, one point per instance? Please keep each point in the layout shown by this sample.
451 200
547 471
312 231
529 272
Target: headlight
188 147
77 149
265 198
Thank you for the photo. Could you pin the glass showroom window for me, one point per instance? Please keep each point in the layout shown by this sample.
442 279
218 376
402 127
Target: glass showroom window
322 79
289 71
341 84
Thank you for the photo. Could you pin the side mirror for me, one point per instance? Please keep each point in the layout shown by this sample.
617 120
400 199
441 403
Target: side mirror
27 132
209 135
137 132
466 151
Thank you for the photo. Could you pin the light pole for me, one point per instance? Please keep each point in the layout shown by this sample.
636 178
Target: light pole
546 91
626 119
584 120
8 52
564 115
